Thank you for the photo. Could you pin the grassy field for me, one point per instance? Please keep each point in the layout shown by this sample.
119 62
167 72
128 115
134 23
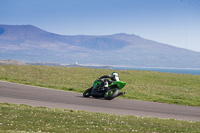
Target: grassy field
172 88
23 118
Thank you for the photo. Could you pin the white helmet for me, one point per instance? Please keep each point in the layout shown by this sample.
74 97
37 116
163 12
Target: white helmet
116 76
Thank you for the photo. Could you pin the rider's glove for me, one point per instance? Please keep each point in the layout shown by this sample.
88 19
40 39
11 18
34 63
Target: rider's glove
100 79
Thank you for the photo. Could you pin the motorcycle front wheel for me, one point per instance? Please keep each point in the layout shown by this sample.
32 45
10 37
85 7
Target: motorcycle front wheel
87 93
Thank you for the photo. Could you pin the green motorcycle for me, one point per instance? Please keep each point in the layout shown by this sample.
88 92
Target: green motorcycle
97 90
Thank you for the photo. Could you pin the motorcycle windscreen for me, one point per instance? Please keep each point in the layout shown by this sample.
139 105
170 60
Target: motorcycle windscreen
96 83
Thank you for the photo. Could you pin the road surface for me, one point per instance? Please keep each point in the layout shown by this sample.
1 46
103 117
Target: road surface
38 96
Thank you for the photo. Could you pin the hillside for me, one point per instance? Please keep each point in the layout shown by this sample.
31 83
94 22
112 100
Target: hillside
29 43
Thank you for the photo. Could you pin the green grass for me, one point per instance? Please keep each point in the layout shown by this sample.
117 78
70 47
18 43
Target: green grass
171 88
23 118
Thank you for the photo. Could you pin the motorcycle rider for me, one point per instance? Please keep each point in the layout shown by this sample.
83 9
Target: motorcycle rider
114 77
105 82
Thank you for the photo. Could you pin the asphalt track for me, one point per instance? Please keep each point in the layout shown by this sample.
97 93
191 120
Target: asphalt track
38 96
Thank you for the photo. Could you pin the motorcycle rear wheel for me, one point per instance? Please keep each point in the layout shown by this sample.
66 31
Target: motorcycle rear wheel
111 94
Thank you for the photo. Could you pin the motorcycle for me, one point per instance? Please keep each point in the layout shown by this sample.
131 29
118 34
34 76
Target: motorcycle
98 90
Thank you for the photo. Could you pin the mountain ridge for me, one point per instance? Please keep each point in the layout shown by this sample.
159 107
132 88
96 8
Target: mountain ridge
29 43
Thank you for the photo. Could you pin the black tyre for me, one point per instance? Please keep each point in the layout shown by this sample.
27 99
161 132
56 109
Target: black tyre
87 93
111 94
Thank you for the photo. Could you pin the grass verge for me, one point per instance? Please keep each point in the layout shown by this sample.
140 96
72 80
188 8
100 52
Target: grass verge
171 88
24 118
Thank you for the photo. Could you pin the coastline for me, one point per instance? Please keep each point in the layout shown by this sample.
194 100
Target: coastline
194 71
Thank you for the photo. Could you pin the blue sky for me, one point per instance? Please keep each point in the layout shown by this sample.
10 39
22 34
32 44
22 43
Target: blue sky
174 22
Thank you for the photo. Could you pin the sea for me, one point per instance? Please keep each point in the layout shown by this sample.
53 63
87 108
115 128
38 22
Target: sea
168 70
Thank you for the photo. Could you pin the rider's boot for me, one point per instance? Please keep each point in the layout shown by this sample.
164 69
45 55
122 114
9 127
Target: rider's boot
105 88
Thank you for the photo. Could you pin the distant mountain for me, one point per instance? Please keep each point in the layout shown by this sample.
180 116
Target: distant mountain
29 43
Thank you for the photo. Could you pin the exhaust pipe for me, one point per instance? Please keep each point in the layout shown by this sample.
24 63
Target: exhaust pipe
121 93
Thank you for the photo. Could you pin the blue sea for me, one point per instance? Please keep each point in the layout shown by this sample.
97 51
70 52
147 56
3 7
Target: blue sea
169 70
